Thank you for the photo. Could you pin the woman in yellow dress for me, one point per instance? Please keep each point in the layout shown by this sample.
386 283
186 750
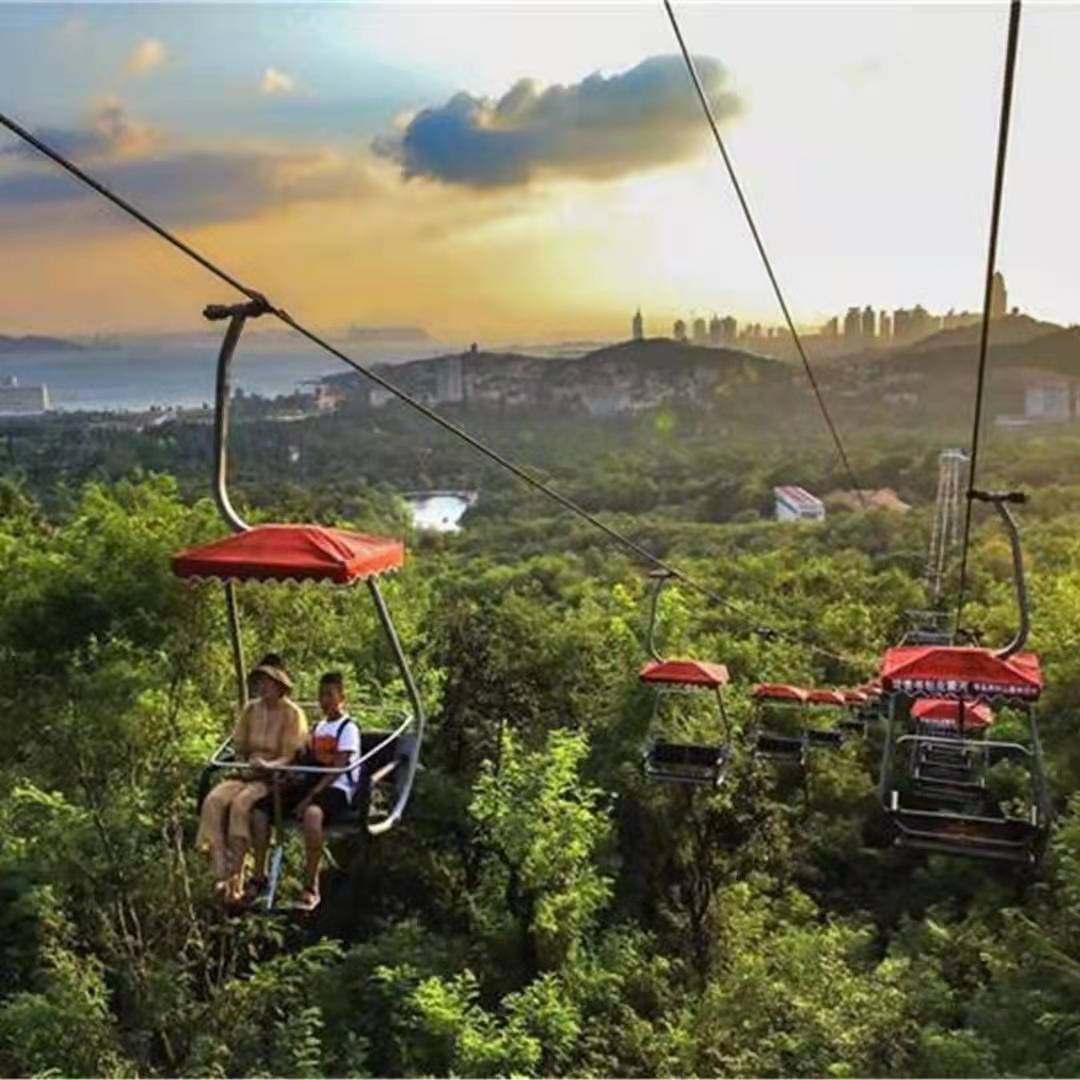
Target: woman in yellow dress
270 733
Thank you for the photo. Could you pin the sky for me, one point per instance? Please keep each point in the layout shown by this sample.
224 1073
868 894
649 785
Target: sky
532 171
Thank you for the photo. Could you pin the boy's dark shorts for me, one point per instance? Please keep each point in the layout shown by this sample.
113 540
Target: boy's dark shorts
334 803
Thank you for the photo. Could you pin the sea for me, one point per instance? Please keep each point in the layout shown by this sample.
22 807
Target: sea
166 372
138 377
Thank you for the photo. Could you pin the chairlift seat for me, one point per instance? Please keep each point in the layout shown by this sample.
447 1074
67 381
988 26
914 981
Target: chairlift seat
856 725
824 740
1008 838
947 774
686 763
783 748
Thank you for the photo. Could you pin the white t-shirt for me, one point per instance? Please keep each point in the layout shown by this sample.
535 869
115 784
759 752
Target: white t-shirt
340 736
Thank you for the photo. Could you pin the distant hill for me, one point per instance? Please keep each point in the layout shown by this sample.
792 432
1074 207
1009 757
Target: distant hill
667 354
1025 344
1008 330
625 378
33 343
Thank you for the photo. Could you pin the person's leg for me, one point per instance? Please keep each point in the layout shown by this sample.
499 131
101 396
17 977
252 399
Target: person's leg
260 841
212 826
240 832
313 846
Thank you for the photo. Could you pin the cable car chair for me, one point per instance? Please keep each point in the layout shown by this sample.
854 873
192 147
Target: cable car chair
947 808
857 712
928 628
947 768
301 553
770 745
833 704
681 762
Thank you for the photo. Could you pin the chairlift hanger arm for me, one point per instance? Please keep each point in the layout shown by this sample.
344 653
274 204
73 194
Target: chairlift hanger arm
1001 501
237 314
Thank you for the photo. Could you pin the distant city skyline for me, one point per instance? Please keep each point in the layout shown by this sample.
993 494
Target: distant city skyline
527 183
861 325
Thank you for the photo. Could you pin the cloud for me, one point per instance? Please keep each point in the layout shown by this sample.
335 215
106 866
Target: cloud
111 133
276 82
601 128
145 57
193 186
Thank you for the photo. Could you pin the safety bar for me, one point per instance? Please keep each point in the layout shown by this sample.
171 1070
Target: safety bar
1001 500
320 770
945 815
964 744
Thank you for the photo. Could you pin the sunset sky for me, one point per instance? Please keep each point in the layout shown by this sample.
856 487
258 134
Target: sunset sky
531 171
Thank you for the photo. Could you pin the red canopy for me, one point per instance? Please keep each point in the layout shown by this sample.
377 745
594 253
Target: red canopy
946 712
953 671
684 673
780 692
826 697
292 552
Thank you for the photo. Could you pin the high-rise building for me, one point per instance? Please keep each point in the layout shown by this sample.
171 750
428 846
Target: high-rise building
729 329
637 327
714 330
923 324
901 325
678 331
832 328
869 328
999 298
885 328
853 324
701 334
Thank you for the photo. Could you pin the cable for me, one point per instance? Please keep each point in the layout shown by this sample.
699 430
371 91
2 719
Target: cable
691 68
1011 49
447 425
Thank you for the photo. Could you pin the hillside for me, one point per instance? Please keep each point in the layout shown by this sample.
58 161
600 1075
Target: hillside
626 378
33 343
1010 330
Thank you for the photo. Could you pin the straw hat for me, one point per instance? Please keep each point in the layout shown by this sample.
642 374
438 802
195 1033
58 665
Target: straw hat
279 675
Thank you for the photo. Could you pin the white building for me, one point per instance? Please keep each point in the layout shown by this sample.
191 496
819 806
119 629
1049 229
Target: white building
796 504
450 381
1047 399
16 400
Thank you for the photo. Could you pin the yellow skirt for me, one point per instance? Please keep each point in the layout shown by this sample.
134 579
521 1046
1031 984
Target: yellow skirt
233 799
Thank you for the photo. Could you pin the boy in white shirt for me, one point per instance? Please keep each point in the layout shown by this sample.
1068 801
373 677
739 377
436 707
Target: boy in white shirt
335 743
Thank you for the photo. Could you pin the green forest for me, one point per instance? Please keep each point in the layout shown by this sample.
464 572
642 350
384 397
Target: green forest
543 909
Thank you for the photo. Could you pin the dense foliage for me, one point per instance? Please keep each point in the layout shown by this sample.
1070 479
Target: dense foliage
543 911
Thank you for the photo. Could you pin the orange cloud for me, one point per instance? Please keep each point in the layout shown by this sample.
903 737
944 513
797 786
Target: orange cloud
276 82
145 57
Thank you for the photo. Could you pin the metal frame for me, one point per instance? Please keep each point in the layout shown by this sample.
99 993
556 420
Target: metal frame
237 316
966 845
722 749
1040 811
712 775
757 730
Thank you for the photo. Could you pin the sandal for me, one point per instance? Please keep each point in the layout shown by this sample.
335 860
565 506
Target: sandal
309 900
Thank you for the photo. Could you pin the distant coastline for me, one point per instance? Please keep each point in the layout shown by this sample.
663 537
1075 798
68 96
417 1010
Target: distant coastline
33 343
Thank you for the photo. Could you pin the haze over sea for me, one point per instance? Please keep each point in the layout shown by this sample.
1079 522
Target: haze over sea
136 377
